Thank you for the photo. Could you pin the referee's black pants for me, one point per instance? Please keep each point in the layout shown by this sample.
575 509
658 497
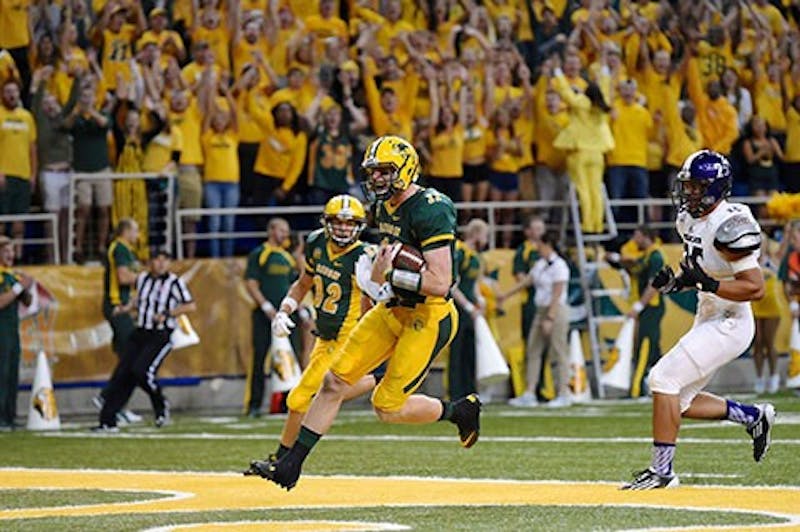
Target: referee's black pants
142 356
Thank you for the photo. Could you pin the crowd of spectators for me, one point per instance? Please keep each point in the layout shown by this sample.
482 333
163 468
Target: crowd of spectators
272 102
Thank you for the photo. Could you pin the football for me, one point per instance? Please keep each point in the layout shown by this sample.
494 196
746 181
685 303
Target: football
408 258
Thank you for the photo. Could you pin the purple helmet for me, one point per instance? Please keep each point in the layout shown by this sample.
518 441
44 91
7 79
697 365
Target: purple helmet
704 179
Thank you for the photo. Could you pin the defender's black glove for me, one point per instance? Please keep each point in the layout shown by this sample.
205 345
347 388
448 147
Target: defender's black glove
666 282
693 275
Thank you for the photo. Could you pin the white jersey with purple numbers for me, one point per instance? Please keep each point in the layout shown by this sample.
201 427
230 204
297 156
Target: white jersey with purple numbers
698 242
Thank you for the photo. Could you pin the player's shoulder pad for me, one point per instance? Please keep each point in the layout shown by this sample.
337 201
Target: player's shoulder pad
316 236
738 232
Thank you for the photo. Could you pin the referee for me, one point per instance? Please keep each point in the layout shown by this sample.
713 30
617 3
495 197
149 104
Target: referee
161 297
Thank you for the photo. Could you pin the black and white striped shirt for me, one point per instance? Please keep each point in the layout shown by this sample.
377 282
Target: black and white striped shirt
157 295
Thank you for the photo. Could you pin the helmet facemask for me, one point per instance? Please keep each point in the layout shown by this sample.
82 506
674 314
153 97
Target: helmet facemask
388 180
343 229
698 196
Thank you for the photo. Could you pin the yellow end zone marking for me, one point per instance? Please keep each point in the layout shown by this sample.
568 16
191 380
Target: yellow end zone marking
196 492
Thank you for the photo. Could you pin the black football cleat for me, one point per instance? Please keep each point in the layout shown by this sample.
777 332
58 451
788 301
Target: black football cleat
257 468
761 431
467 417
650 480
284 472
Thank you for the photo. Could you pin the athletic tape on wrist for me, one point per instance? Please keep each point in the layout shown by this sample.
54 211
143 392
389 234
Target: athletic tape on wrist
17 288
290 303
406 280
638 307
266 306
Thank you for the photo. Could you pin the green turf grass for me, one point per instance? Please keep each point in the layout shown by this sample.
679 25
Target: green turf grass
14 498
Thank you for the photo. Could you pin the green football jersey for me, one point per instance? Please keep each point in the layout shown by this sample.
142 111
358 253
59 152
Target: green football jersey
275 270
426 221
337 296
9 319
119 254
469 268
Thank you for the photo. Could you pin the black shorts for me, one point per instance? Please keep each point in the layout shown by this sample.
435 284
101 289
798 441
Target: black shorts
475 173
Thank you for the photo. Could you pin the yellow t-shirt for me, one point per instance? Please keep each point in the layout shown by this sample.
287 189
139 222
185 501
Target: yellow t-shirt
249 130
447 151
523 127
792 152
221 154
547 128
769 104
505 162
117 53
218 40
278 52
14 23
475 144
192 72
158 153
189 122
631 129
323 28
162 38
243 54
8 69
17 133
282 153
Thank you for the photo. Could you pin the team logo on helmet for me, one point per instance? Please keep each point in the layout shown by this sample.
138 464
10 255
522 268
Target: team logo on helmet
344 218
390 165
704 179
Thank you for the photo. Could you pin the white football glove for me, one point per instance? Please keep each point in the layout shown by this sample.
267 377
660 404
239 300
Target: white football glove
282 324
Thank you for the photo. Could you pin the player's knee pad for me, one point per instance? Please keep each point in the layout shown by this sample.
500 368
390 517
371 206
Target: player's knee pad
333 384
664 378
298 400
385 403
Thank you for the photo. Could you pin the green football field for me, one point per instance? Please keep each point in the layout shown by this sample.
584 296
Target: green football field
533 469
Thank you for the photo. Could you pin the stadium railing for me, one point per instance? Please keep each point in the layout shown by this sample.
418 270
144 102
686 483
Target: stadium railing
50 226
169 203
490 208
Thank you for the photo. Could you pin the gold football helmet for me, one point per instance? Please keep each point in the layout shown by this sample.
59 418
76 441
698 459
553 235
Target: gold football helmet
390 165
344 218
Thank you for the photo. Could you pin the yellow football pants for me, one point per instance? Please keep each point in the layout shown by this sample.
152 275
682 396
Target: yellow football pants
585 169
416 335
320 361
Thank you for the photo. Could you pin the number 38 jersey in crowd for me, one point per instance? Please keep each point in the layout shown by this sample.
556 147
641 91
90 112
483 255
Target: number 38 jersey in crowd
337 296
698 236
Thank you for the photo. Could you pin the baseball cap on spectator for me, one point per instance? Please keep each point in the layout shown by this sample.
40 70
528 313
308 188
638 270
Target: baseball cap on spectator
156 11
328 103
147 38
349 66
118 9
298 66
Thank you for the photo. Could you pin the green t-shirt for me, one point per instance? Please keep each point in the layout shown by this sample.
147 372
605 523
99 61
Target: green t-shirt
643 271
9 319
119 254
426 221
337 297
524 258
332 170
469 268
275 270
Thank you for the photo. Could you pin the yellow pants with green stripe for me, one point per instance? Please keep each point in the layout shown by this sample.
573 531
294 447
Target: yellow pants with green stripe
321 359
409 338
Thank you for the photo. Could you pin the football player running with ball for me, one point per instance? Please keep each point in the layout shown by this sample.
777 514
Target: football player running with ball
721 243
415 317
